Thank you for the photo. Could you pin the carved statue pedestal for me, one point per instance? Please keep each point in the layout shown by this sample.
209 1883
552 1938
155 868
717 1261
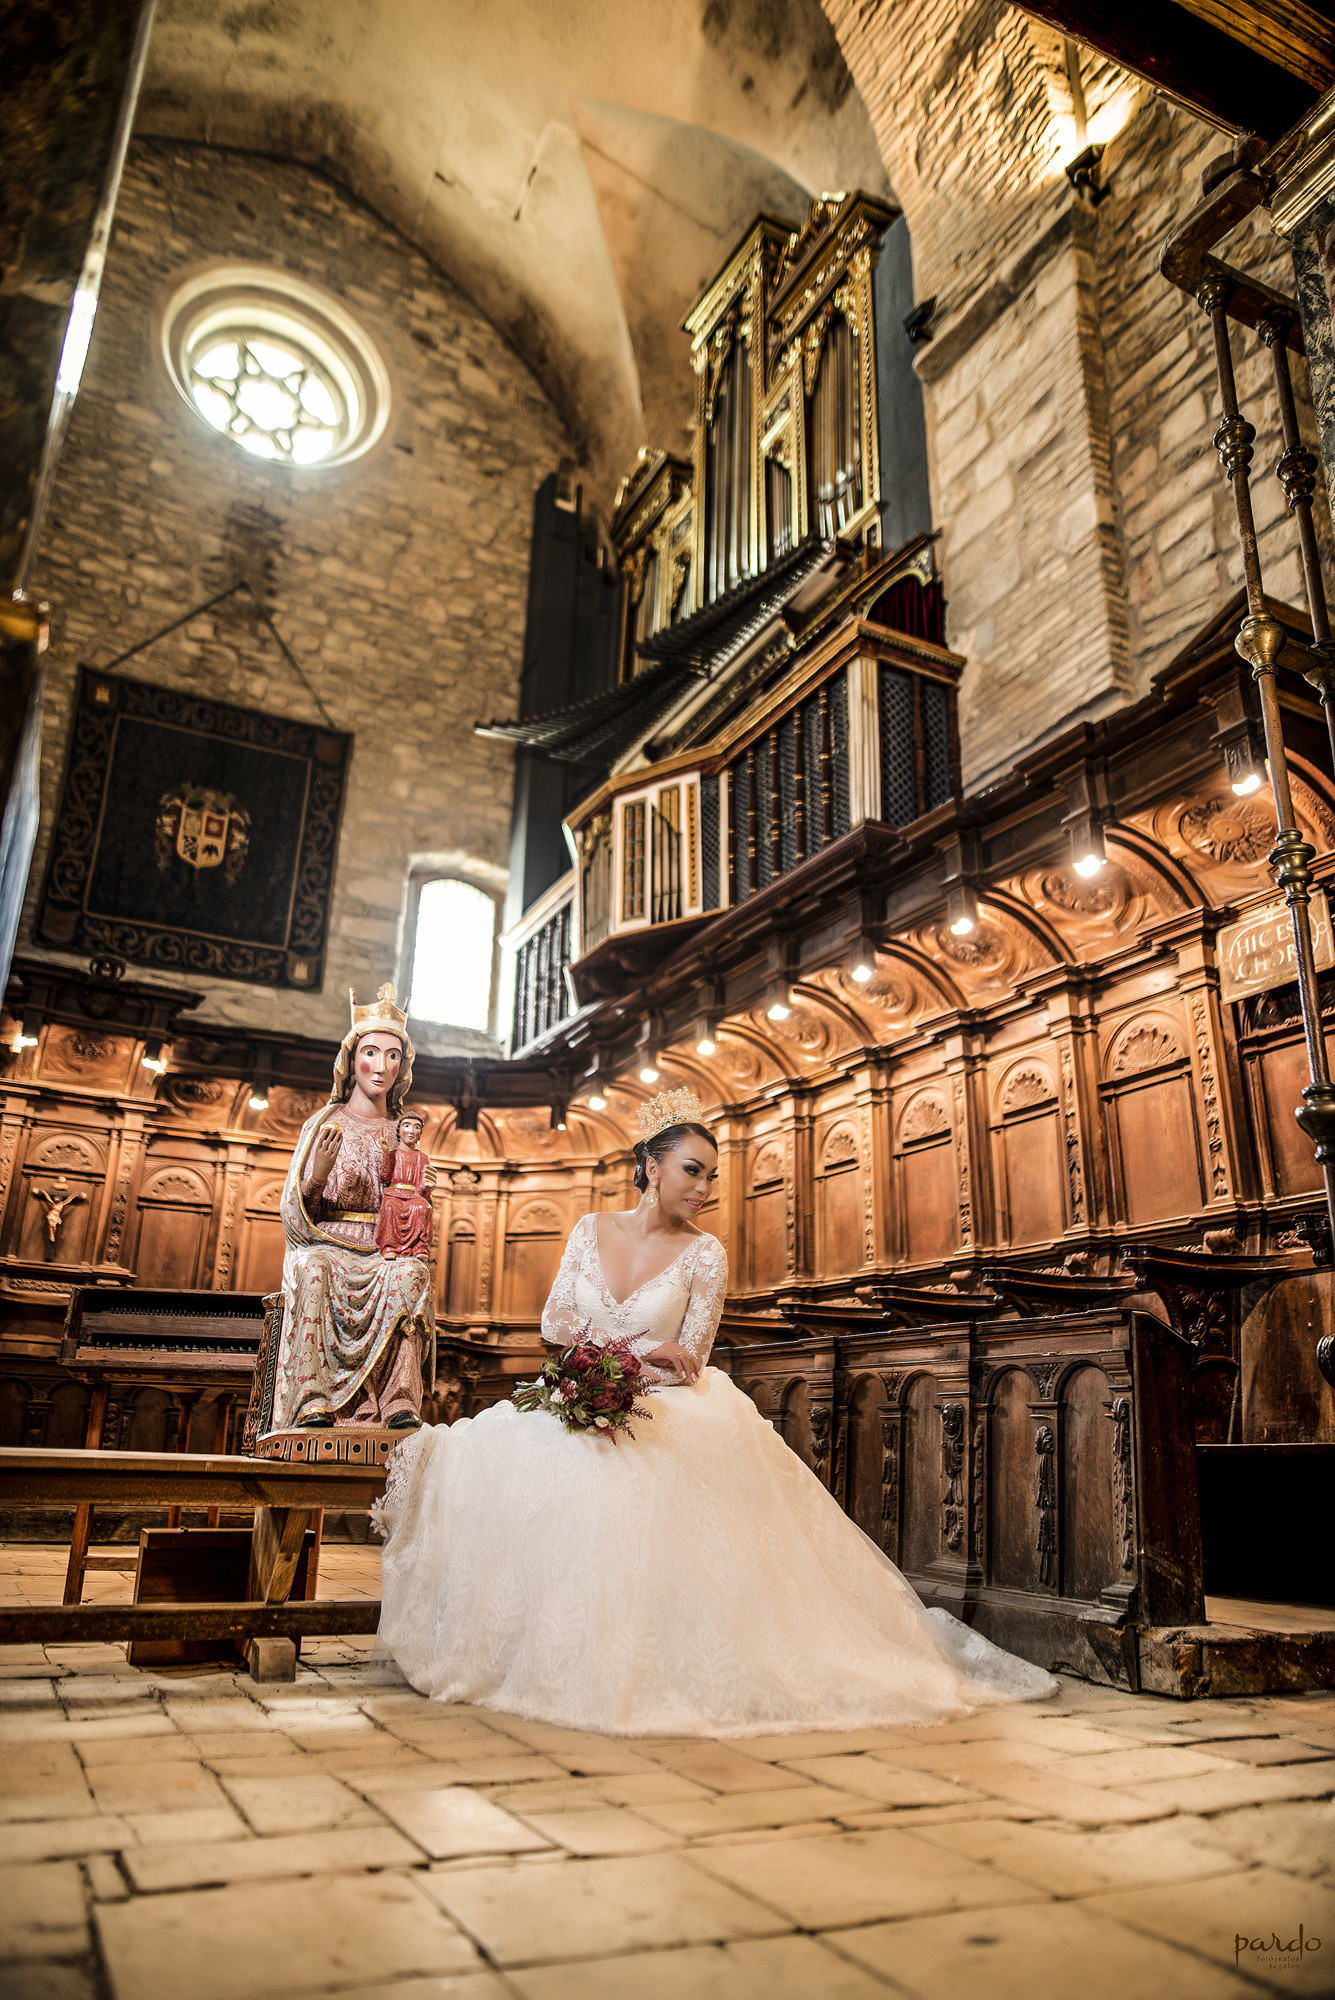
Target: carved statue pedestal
345 1444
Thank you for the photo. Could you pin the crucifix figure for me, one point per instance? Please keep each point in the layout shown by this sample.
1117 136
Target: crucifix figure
57 1200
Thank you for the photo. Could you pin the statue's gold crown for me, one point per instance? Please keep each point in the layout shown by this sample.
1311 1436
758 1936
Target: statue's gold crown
670 1107
382 1013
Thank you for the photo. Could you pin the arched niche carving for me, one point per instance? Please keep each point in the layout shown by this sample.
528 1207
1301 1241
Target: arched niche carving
67 1152
176 1183
924 1117
537 1217
1025 1086
1146 1043
838 1146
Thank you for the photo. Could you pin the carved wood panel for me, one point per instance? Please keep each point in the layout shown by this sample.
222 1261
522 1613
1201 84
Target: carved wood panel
1086 1484
1012 1517
920 1524
866 1457
1028 1152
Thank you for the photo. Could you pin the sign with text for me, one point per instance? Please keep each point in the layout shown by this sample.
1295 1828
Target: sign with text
1258 953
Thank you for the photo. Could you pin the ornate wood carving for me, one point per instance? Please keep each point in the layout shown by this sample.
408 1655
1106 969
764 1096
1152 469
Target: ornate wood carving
952 1465
977 1511
963 1171
1151 1045
821 1416
1027 1086
1214 1117
1075 1175
925 1117
1045 1498
1120 1414
890 1427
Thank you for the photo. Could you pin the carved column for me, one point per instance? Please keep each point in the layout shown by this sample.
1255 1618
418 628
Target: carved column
875 1147
892 1426
231 1216
1044 1412
122 1178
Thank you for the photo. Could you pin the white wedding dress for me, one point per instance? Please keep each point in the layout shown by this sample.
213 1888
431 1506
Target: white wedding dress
695 1579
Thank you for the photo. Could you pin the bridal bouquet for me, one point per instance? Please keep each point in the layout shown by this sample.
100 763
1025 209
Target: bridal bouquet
589 1388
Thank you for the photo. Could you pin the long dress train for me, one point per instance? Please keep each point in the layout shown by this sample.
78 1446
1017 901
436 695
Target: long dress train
694 1580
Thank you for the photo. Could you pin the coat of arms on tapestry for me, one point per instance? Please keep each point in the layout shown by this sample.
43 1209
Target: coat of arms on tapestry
195 836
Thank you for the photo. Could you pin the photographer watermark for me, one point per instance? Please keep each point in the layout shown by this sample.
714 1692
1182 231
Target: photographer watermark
1273 1954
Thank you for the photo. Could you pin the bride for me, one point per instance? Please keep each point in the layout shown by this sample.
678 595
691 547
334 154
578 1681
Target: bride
694 1580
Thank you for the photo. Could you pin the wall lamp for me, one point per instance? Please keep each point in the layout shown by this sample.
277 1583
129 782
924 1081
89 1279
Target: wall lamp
154 1058
20 1041
597 1102
558 1115
1238 735
962 910
1089 850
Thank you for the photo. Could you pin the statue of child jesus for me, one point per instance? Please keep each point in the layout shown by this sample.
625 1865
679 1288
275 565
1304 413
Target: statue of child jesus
403 1226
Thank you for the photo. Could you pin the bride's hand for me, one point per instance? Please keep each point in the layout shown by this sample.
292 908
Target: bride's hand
679 1359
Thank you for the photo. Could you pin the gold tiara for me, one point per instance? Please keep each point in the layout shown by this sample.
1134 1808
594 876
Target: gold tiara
669 1107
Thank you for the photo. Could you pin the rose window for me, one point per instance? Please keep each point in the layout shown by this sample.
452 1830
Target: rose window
276 366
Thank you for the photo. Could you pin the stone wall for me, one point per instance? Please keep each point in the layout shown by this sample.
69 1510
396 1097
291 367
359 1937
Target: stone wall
1069 389
398 581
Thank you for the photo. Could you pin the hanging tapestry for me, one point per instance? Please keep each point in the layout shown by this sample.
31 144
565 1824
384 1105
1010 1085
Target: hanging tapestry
195 836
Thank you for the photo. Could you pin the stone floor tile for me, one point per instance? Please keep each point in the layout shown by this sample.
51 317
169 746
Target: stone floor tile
1266 1750
26 1692
520 1770
909 1818
1139 1764
147 1785
1058 1949
379 1756
196 1717
856 1878
822 1743
53 1839
784 1968
721 1766
572 1909
43 1781
873 1777
1055 1790
1067 1862
1239 1785
1296 1835
449 1739
646 1788
105 1882
691 1819
1210 1916
449 1820
241 1746
254 1940
299 1804
111 1744
755 1836
49 1982
453 1986
201 1823
552 1795
42 1912
1201 1725
344 1850
605 1830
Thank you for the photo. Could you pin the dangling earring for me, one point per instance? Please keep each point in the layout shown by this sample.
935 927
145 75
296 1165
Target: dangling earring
653 1197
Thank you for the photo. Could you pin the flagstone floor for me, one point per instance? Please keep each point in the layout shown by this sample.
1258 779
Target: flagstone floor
188 1835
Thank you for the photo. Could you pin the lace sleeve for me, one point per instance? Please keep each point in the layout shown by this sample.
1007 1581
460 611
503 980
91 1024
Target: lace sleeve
560 1320
709 1286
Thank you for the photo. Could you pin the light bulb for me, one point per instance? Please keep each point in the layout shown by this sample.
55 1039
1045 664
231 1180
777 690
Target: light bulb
1088 864
778 1012
706 1046
22 1041
1246 786
259 1100
561 1125
597 1104
155 1063
962 927
648 1074
862 973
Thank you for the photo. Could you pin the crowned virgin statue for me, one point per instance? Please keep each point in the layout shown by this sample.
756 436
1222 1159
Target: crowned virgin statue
357 1324
694 1578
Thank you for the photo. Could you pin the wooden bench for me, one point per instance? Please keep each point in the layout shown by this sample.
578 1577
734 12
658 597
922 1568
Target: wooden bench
282 1498
190 1344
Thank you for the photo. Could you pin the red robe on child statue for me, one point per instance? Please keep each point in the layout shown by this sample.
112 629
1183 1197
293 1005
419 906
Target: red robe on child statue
403 1227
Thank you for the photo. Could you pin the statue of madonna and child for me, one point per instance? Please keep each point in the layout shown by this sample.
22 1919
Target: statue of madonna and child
358 1322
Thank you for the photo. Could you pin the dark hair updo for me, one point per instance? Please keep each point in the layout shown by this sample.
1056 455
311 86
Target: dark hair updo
661 1145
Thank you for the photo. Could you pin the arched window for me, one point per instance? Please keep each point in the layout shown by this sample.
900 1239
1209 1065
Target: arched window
454 954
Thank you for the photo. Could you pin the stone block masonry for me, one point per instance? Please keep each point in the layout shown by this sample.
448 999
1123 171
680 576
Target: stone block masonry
1069 389
399 580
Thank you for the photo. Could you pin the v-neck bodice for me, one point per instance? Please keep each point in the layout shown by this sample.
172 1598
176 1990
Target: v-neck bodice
681 1303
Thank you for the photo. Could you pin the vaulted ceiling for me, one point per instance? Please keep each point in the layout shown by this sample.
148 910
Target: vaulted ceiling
580 168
